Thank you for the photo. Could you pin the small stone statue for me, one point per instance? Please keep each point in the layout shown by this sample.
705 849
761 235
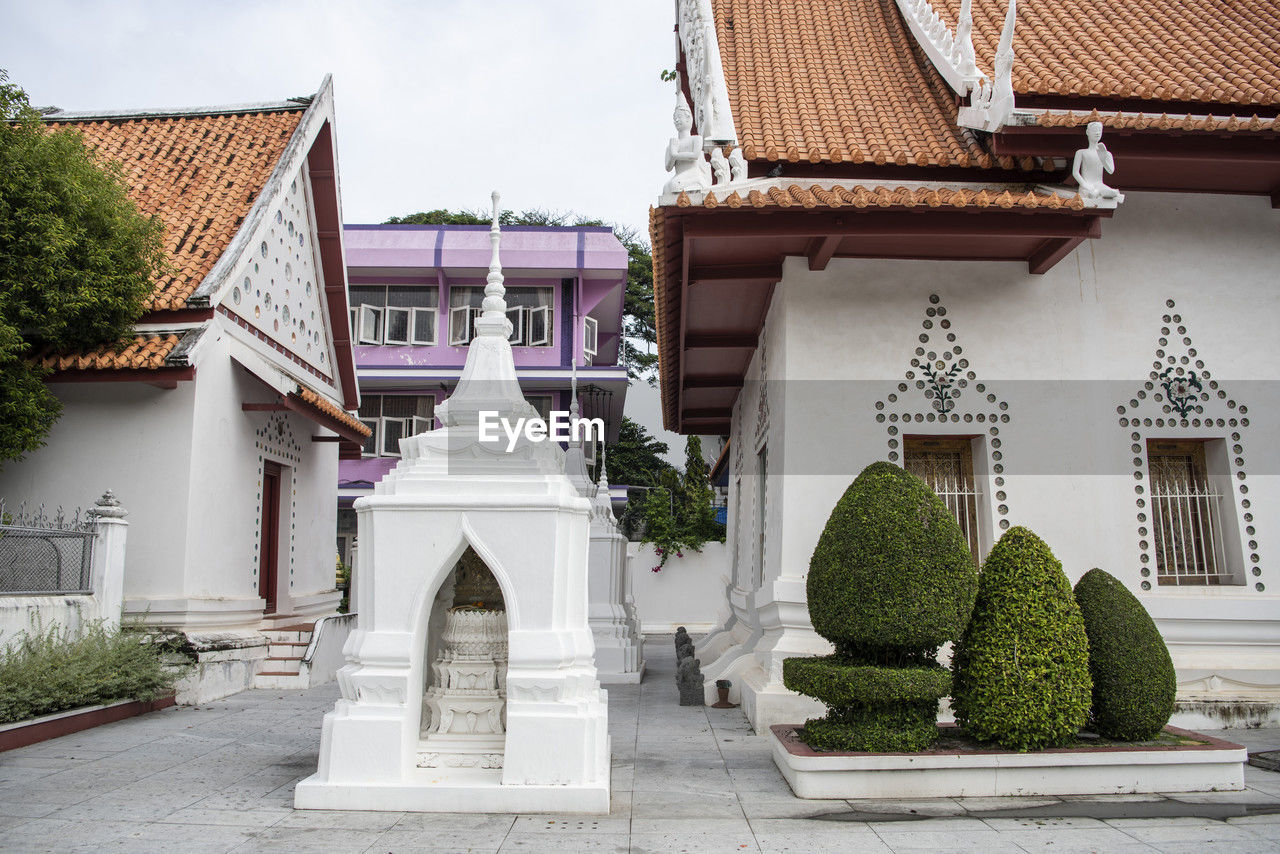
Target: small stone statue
719 166
738 165
689 680
684 154
1090 165
685 650
682 637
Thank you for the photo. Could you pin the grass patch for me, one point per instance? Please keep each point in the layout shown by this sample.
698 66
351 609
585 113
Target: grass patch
49 670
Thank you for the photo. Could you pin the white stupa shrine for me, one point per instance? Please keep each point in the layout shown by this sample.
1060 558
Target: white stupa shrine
470 684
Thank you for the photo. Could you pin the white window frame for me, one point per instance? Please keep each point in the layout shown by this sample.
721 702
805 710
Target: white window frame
423 425
405 426
353 316
374 424
413 325
367 311
386 329
516 315
590 336
463 311
545 312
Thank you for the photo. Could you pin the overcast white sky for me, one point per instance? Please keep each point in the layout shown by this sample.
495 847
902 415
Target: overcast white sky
557 103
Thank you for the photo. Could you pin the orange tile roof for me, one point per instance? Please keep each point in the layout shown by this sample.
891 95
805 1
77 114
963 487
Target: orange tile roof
141 352
1154 50
666 317
838 196
322 405
199 174
1159 121
842 81
838 81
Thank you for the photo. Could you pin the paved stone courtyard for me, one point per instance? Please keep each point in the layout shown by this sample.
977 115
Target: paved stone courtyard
220 778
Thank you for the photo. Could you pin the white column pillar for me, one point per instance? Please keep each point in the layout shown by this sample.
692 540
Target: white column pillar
107 571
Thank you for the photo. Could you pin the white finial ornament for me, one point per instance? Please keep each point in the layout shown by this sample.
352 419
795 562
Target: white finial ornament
964 39
991 103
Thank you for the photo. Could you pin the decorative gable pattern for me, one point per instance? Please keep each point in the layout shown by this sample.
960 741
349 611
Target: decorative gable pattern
277 289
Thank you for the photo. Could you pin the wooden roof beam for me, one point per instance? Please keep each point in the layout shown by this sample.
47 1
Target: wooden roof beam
725 381
820 251
738 274
720 341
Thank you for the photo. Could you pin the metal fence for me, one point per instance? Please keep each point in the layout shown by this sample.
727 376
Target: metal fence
40 554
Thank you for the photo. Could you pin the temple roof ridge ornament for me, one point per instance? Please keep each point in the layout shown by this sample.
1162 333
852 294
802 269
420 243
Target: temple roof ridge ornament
602 506
991 103
696 29
951 52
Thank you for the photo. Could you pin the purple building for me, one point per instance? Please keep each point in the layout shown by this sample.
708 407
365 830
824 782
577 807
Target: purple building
414 292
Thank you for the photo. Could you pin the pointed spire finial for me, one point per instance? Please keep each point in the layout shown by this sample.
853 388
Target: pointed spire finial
604 474
495 304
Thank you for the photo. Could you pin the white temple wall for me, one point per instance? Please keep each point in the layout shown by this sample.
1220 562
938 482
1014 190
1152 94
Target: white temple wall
689 591
134 439
845 337
226 512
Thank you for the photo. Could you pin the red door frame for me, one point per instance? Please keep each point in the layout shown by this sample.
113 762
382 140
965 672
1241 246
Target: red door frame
269 553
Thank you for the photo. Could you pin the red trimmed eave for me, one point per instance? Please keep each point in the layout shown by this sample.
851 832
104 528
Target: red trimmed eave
166 378
322 165
1193 161
349 440
720 266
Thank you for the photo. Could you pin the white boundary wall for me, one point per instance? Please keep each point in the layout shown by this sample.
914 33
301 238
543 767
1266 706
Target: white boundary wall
689 591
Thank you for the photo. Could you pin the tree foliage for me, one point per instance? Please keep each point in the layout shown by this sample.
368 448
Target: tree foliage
77 261
637 310
678 515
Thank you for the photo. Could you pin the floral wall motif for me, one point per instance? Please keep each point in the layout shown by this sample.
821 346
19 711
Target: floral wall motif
1181 399
942 388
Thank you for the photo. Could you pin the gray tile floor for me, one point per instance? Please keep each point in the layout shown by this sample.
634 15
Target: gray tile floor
220 778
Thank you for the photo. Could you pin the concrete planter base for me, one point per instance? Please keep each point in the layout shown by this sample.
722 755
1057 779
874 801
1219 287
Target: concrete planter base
39 729
1209 765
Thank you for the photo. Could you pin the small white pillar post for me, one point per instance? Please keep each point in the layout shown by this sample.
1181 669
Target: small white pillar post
107 571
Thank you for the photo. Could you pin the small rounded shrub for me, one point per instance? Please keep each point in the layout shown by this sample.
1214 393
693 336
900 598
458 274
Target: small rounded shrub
1134 684
890 581
1022 667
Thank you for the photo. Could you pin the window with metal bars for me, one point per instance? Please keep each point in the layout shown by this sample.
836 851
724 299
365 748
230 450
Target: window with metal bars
1186 516
393 417
946 464
394 314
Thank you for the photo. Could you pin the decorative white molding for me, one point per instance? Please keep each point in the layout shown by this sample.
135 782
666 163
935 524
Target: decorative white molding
950 52
697 32
991 103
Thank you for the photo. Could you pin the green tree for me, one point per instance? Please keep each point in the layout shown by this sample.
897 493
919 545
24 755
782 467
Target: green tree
77 261
636 458
637 309
683 519
697 515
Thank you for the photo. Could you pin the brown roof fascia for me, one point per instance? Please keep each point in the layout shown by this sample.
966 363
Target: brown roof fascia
1089 103
165 378
322 166
180 315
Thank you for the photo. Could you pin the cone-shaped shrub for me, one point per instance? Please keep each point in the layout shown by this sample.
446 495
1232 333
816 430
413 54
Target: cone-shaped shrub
890 581
1134 684
1022 666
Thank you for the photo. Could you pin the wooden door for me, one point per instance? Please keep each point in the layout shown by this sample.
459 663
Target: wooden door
269 553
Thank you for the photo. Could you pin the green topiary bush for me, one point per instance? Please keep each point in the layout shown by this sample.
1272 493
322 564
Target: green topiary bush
1022 667
890 581
1134 684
